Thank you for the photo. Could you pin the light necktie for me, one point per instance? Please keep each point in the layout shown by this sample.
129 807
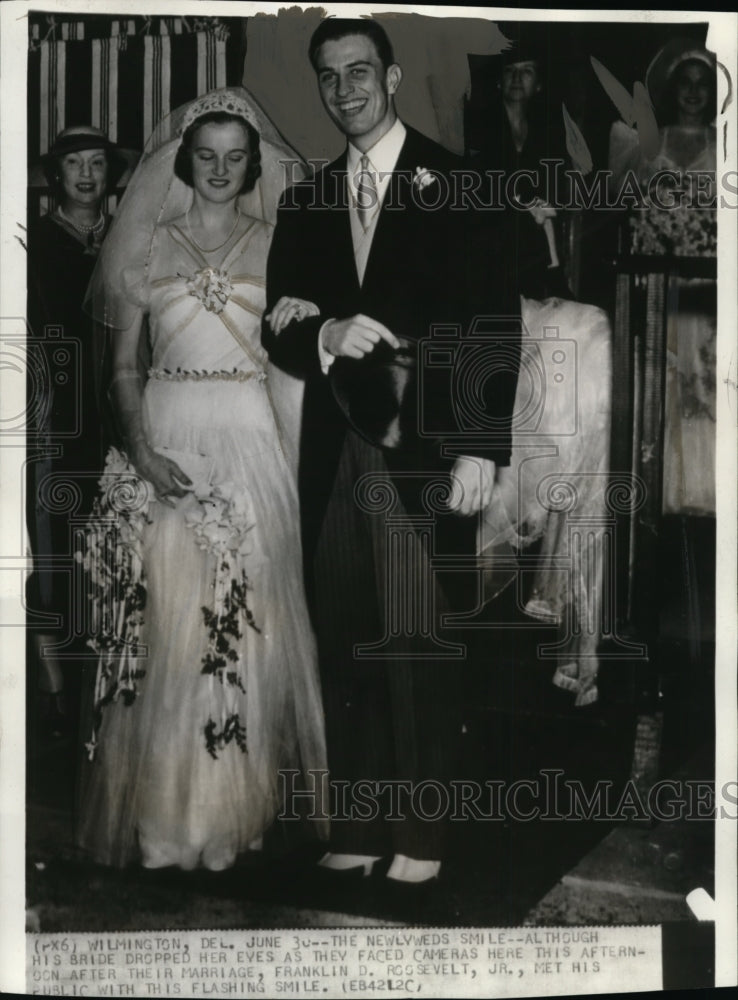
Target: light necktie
366 193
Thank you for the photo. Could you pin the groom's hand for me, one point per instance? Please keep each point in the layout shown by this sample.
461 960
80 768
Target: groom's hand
356 336
473 480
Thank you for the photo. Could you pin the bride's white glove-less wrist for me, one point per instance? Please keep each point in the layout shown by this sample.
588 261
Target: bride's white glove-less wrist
287 309
164 475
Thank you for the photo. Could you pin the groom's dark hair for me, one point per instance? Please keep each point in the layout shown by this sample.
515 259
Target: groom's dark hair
331 29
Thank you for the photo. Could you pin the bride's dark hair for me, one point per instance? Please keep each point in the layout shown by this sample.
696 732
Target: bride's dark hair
183 159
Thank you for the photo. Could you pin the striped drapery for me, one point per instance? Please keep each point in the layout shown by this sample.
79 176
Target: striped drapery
123 76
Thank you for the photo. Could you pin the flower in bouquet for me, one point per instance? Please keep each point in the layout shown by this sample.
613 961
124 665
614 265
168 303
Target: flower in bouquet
223 522
112 558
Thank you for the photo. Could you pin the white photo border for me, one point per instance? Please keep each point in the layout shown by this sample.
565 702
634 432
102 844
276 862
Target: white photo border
723 31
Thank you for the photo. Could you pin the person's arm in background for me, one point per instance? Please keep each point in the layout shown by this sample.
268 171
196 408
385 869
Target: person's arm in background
492 309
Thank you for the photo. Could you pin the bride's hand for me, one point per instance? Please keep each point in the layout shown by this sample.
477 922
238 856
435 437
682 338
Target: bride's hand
164 475
289 308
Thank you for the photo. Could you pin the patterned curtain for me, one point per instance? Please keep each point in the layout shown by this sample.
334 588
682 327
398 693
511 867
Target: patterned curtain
123 75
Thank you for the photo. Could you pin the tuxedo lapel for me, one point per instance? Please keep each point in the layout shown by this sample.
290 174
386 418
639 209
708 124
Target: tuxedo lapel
335 198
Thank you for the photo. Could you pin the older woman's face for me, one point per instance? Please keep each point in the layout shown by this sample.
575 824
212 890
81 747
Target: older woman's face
520 81
84 177
693 89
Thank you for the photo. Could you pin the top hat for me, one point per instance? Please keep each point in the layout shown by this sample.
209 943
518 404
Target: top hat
378 394
529 42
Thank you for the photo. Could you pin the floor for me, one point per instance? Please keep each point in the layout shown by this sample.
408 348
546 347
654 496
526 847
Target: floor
500 872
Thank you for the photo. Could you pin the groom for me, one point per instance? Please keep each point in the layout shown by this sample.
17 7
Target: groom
376 252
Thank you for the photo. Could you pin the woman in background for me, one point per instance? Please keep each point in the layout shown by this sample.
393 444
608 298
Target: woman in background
682 84
81 168
511 133
561 422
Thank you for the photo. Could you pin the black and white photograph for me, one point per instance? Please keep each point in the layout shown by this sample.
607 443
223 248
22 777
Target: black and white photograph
368 457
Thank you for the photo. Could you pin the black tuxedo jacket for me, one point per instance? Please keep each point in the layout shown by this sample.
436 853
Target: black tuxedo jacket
433 261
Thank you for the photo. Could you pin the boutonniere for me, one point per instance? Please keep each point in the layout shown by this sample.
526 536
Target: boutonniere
423 177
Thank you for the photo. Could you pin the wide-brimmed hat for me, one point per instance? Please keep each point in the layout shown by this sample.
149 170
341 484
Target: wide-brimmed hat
525 46
668 59
525 43
73 140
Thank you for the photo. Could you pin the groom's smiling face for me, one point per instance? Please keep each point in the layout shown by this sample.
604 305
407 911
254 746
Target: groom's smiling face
356 89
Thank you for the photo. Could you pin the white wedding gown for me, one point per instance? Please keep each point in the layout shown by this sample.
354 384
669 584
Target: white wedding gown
185 764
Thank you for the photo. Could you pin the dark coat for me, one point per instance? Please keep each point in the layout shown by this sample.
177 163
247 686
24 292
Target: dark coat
433 262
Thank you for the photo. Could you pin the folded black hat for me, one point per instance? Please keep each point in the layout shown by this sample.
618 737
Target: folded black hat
378 394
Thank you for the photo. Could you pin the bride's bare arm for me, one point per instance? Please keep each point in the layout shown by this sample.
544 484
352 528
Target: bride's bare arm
126 395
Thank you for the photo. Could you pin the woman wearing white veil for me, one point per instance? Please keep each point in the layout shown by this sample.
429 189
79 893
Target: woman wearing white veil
207 682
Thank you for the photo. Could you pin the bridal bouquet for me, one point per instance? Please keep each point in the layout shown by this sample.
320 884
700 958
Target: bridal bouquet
222 519
112 559
223 522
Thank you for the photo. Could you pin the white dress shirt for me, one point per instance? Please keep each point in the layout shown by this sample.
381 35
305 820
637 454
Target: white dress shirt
383 157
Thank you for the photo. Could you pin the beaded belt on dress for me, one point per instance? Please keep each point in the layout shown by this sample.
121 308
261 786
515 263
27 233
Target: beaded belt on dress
184 375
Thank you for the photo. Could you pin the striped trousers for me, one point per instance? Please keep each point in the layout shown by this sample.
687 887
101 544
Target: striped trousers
392 677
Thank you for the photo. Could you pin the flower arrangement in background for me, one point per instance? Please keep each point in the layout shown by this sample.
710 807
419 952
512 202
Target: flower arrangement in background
684 232
687 228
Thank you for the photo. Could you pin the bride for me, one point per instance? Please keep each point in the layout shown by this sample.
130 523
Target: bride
207 681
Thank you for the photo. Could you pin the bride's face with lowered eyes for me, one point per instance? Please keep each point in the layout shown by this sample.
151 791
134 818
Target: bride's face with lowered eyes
220 158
